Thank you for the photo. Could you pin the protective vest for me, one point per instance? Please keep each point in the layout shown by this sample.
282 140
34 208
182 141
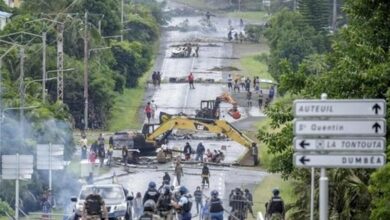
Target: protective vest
205 171
276 205
152 194
187 206
165 202
216 205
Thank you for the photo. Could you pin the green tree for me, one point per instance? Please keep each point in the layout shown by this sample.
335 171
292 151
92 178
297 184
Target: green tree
292 39
132 60
316 13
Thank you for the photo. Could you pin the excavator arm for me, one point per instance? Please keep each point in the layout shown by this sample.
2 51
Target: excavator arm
194 124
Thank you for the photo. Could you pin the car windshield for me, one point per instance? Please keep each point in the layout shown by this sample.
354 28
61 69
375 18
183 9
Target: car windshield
107 193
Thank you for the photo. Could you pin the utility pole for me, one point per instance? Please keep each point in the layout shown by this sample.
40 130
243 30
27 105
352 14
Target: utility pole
21 94
122 19
60 62
334 17
43 66
324 186
86 71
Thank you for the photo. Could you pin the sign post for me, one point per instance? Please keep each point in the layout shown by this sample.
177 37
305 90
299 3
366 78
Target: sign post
17 167
338 134
50 157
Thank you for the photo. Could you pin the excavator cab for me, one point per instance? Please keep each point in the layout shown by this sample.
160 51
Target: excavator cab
208 109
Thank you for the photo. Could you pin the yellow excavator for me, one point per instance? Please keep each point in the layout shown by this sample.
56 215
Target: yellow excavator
154 135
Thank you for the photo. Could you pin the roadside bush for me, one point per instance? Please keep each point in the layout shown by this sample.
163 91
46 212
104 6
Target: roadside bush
254 32
5 209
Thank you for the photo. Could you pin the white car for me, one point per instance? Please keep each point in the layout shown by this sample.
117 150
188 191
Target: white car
118 204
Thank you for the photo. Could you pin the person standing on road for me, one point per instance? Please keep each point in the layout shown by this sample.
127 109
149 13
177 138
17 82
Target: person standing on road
148 111
89 178
84 147
151 193
241 36
216 207
154 109
236 87
94 147
200 149
230 82
242 82
197 50
158 79
238 204
110 151
138 205
271 93
164 206
101 141
154 79
149 211
260 100
184 205
247 84
275 207
255 154
205 176
125 155
191 81
166 179
187 151
249 198
249 98
101 154
198 194
179 172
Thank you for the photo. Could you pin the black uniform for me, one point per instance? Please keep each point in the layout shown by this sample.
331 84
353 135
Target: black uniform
152 194
275 205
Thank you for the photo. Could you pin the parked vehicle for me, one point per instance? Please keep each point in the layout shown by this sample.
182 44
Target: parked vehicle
116 198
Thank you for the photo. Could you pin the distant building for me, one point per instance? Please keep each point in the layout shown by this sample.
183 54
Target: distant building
13 3
4 18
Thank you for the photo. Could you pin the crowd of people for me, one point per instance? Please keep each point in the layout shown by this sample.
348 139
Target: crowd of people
202 154
97 150
238 84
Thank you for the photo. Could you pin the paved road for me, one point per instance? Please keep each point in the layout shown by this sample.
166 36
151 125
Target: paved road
177 97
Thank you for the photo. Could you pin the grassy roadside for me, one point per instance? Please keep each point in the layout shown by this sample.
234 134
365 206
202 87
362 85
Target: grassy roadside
253 65
200 4
263 191
252 16
126 108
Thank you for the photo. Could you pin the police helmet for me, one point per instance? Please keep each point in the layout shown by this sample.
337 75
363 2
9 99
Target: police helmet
183 190
214 193
275 191
149 205
152 185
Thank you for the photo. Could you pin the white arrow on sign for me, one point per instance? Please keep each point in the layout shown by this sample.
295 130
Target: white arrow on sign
340 160
358 127
340 144
340 108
